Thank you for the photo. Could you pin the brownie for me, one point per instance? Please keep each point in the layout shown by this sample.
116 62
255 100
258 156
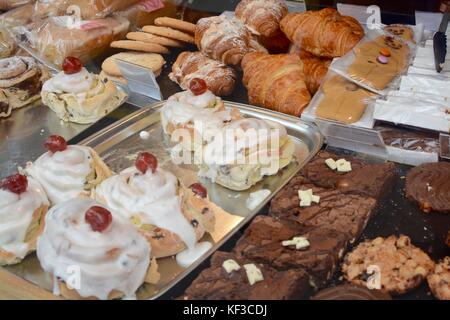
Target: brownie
346 213
262 242
321 175
351 292
214 283
373 180
407 139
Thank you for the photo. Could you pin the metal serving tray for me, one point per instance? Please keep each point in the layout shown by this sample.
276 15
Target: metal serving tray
119 145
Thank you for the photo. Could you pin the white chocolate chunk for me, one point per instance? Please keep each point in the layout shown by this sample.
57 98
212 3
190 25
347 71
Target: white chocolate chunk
331 164
254 274
298 242
230 265
344 167
340 162
315 199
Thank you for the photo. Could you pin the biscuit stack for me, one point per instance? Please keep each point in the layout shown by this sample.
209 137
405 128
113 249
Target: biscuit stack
146 46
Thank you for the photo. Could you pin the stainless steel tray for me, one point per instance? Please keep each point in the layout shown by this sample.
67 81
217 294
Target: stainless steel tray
119 145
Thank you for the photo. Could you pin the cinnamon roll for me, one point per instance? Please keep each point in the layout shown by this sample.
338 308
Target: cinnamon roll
79 96
23 205
93 253
67 172
245 151
199 112
21 80
171 216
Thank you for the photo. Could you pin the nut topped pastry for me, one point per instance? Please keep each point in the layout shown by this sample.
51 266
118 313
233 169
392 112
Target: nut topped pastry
21 80
23 205
79 96
112 259
171 216
67 172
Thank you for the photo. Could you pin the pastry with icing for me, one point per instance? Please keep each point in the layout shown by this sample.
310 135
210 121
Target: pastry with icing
23 206
21 80
67 172
171 216
198 111
245 151
79 96
93 253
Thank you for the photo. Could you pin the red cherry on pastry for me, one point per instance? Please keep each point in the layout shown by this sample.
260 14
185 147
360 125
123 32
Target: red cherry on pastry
72 65
198 86
146 161
199 190
99 218
55 143
17 183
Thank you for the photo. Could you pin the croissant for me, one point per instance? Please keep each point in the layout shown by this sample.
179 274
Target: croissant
315 69
224 39
262 16
219 78
324 33
276 82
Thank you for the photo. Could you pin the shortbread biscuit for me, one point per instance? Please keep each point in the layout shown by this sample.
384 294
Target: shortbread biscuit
398 265
439 280
151 38
104 75
139 46
169 33
152 61
175 24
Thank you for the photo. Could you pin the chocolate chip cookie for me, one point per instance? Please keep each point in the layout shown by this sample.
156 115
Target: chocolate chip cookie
393 263
439 280
429 186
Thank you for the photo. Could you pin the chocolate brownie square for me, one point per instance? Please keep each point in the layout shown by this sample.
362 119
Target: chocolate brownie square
344 212
373 180
263 242
215 283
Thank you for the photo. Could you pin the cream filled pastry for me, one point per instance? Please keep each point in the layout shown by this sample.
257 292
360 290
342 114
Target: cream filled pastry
23 205
199 112
92 253
172 218
79 96
21 80
67 172
245 151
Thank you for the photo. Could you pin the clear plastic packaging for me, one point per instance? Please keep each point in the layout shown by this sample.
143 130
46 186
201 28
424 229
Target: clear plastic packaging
342 101
11 4
58 37
145 12
431 85
376 62
7 43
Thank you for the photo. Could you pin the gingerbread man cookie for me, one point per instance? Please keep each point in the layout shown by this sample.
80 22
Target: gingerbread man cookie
402 31
380 61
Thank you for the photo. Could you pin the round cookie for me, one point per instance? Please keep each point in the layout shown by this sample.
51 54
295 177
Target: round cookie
439 280
175 24
151 38
401 265
447 241
429 186
139 46
351 292
169 33
152 61
103 75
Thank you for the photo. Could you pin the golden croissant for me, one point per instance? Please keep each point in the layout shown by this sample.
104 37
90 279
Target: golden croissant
324 33
276 82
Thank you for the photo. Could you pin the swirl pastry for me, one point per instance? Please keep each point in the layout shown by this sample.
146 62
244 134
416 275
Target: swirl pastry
23 205
68 172
191 109
111 258
79 96
429 185
225 39
21 80
245 151
171 216
219 78
262 16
